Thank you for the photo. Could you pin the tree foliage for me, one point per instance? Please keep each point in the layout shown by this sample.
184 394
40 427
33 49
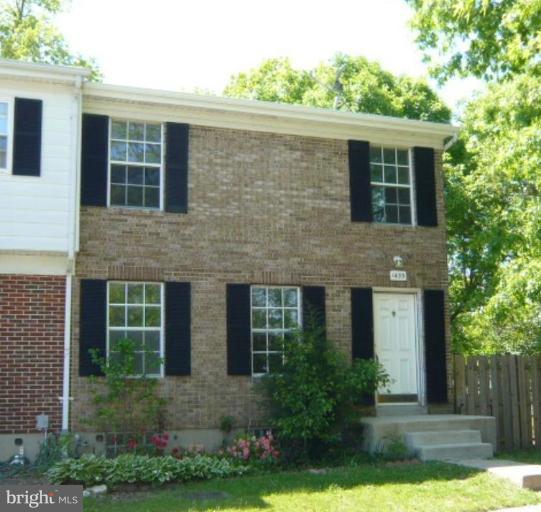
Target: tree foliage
483 38
345 82
27 33
493 182
494 210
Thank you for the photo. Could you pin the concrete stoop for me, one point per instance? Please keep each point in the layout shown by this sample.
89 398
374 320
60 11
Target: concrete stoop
433 437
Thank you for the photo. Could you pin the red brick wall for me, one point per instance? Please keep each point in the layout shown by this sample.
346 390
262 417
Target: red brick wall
31 351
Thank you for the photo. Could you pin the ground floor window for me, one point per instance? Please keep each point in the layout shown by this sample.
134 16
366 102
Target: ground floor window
135 312
276 313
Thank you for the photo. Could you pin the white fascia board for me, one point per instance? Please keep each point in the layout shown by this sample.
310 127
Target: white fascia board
264 116
34 264
33 72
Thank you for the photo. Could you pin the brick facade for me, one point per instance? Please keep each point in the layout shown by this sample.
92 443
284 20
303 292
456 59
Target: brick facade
31 351
263 209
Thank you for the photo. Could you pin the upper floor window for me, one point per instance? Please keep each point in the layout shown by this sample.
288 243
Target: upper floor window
275 314
4 135
135 312
390 171
136 164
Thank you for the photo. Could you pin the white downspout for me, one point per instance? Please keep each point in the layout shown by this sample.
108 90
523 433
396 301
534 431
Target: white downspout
73 242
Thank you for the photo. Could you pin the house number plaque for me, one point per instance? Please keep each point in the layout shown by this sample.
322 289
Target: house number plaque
398 275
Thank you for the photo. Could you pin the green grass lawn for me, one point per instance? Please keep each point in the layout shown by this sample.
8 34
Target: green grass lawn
431 487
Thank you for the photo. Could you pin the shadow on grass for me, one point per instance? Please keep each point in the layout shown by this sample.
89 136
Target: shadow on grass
251 491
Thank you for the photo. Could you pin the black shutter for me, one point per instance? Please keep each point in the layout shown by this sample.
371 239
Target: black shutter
176 168
94 160
425 186
362 329
239 345
27 137
359 181
177 328
92 332
313 305
435 358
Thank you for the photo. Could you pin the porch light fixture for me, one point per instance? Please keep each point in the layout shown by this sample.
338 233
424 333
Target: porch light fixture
398 261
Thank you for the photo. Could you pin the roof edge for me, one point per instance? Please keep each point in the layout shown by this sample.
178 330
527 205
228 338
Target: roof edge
264 108
42 72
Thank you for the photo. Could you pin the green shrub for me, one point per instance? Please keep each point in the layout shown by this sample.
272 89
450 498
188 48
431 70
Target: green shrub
313 399
122 401
141 469
53 449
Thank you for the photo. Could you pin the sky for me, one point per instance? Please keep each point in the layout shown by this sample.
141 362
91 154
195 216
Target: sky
198 44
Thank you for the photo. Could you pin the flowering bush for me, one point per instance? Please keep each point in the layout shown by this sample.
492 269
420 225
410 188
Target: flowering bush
250 448
160 442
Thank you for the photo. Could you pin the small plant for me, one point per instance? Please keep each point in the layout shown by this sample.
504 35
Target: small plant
394 448
123 401
226 424
250 448
55 448
141 469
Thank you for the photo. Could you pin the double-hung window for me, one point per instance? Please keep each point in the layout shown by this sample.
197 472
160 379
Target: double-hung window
391 185
276 313
136 170
135 312
4 135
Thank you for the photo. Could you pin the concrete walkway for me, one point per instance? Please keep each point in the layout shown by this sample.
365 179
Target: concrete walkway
528 508
527 476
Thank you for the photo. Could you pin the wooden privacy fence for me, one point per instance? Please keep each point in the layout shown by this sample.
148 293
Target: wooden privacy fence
507 387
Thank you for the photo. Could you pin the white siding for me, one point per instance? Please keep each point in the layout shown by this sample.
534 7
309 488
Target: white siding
35 212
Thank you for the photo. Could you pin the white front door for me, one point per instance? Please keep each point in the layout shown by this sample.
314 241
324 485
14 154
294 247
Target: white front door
395 342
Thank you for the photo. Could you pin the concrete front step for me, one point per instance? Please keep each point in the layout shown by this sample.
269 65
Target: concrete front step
454 451
400 410
379 431
433 437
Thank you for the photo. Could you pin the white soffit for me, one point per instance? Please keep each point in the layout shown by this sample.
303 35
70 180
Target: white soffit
149 104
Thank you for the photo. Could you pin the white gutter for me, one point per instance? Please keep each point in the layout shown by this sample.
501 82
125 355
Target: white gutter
450 142
271 110
73 242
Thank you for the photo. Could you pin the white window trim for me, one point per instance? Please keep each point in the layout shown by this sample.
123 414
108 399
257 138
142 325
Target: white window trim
299 314
161 164
10 134
162 326
411 186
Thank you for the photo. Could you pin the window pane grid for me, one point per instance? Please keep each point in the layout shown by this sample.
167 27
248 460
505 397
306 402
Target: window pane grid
139 304
135 164
391 185
275 313
3 135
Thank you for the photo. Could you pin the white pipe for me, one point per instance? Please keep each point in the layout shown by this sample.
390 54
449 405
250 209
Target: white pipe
67 356
450 142
73 240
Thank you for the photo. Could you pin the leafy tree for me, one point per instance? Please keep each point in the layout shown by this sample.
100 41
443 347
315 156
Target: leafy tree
494 207
27 33
492 174
345 82
483 38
